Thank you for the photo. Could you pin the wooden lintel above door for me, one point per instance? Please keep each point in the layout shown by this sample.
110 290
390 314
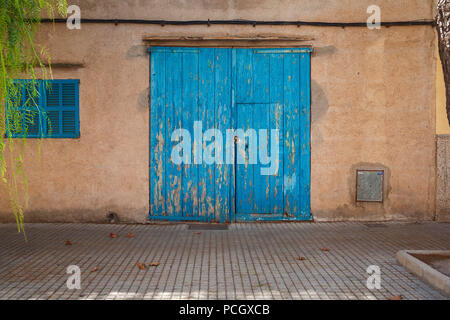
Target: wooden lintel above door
260 40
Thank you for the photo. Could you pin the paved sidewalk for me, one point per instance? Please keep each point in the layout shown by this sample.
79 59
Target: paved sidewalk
248 261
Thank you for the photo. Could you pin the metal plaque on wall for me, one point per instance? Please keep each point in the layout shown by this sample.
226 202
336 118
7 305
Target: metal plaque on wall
369 185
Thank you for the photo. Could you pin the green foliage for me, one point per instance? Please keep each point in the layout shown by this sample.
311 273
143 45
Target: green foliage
19 56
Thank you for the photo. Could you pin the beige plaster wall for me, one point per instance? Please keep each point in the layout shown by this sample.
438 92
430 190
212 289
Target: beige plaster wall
373 106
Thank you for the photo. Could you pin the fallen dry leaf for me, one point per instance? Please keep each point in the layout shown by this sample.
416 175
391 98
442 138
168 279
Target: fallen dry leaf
130 235
141 266
325 249
301 258
94 269
68 243
113 235
399 297
153 264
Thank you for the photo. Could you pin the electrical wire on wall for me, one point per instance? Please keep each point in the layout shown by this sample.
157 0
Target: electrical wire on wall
247 22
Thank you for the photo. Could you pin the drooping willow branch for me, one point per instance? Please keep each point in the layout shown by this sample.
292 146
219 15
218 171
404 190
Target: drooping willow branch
443 29
19 55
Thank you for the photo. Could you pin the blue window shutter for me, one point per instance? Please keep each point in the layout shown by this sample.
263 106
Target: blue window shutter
62 108
69 113
13 119
52 113
52 89
25 121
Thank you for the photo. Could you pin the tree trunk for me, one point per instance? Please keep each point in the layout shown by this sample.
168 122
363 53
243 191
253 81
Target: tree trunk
443 29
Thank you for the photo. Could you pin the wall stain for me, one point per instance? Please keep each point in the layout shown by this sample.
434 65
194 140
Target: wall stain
137 51
319 102
319 108
144 99
323 51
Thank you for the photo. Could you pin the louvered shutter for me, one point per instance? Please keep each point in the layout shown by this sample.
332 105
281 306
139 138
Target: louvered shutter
51 111
23 120
62 108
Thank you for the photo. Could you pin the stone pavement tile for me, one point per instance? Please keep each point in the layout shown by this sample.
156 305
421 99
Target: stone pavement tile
248 261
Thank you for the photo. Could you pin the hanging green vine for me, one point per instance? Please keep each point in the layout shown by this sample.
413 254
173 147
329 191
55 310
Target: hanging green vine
19 56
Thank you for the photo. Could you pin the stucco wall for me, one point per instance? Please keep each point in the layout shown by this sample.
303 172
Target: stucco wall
373 106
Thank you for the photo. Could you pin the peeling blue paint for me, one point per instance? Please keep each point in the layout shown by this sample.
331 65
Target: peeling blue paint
289 183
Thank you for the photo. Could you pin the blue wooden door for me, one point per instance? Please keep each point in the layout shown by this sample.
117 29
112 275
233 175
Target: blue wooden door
201 98
273 92
188 86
